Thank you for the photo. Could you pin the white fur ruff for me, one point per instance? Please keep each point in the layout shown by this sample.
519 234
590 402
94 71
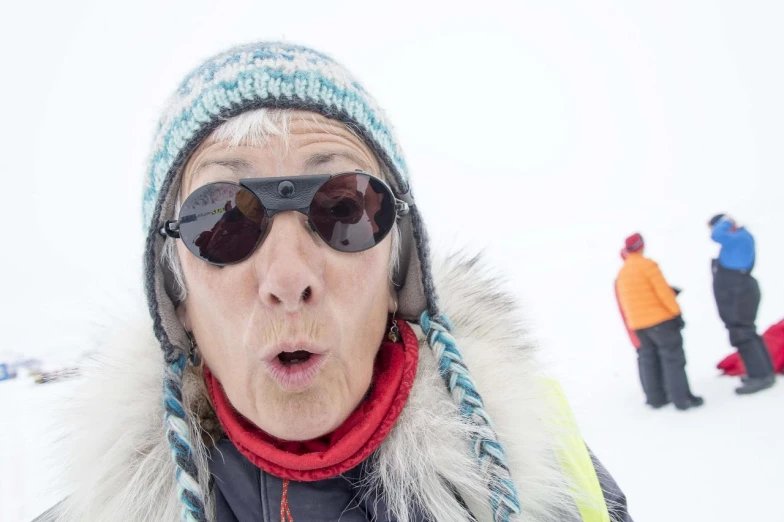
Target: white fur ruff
119 465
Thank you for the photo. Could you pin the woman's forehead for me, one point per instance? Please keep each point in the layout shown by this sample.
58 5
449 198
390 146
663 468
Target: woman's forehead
307 143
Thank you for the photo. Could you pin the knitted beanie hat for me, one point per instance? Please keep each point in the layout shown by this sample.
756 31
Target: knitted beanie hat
284 76
634 243
715 219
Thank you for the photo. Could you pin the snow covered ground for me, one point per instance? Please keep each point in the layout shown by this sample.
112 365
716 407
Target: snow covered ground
542 132
25 450
718 463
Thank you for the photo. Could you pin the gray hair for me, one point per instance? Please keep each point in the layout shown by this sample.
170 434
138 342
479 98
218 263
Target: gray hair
255 128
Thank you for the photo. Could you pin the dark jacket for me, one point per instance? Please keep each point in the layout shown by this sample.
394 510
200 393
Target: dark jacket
244 493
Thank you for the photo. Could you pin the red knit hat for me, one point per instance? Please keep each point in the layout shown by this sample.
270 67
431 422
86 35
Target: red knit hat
634 243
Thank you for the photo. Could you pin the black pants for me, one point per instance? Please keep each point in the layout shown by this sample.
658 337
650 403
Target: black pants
662 364
737 298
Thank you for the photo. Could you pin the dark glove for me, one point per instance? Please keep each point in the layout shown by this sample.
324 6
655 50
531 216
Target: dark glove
676 290
680 322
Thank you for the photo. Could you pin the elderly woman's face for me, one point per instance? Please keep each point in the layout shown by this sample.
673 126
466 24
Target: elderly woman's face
292 332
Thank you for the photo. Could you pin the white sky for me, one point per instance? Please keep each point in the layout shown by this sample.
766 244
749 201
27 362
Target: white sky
543 132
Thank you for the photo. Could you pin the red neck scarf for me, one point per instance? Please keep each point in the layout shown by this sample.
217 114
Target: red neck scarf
347 446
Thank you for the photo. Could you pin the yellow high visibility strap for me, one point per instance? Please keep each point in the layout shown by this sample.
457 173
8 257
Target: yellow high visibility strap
575 461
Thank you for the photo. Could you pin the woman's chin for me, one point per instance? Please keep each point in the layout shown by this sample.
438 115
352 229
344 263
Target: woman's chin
301 416
305 428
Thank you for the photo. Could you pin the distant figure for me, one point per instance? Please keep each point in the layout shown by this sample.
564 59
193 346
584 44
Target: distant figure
650 308
737 298
632 336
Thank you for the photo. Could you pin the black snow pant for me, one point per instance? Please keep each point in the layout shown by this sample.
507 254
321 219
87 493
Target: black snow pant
662 364
737 298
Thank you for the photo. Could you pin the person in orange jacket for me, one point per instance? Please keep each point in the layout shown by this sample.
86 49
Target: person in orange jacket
651 311
632 336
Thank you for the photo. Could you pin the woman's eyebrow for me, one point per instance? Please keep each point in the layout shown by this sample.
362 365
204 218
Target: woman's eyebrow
245 169
239 166
322 158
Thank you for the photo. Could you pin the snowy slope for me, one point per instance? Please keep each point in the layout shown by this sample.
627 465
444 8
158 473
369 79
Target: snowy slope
25 451
719 463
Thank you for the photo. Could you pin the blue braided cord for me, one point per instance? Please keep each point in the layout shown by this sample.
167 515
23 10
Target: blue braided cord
457 377
172 401
504 499
178 435
178 365
504 509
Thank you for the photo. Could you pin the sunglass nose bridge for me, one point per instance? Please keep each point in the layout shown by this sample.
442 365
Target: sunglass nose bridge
278 195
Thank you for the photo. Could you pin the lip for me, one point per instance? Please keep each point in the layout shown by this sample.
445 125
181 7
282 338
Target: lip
298 376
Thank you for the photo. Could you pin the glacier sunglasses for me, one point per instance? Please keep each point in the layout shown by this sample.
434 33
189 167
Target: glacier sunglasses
223 223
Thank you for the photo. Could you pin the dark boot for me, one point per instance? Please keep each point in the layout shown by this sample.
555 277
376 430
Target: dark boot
692 402
754 385
657 405
753 353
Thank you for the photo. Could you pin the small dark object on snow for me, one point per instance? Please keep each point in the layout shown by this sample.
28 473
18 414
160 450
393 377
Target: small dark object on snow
57 375
754 385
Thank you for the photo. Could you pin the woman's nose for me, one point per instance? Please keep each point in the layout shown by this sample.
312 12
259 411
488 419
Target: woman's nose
290 264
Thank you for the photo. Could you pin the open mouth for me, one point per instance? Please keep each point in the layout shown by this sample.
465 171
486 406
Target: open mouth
292 358
297 369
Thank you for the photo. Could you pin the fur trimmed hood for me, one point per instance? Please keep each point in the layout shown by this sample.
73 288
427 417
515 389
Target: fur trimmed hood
119 464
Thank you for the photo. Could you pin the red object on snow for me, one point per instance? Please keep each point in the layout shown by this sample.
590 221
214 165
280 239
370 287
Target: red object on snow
774 340
632 336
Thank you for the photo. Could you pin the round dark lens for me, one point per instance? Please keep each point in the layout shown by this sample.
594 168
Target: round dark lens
222 223
353 212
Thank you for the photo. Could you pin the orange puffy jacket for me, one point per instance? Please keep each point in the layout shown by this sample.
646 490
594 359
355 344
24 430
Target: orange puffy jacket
645 297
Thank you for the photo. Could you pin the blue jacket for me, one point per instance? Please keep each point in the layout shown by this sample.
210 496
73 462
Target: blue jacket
737 246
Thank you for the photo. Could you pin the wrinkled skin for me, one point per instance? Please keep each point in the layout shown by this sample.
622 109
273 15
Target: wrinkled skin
292 289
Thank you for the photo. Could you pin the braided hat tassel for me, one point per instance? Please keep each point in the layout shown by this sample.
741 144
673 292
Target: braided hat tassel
487 449
178 435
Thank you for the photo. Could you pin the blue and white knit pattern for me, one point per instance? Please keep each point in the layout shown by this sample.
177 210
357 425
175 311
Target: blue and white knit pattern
179 437
487 449
266 74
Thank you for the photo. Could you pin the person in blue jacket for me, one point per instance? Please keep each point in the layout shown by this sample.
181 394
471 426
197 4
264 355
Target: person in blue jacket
737 298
